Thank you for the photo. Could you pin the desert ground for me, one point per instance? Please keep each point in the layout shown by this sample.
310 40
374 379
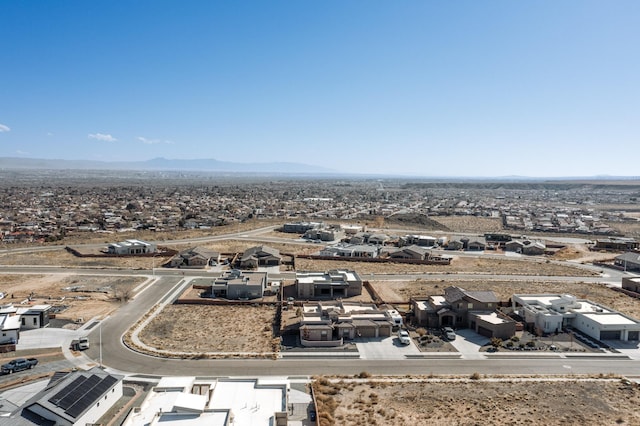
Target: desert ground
477 401
459 264
81 296
201 329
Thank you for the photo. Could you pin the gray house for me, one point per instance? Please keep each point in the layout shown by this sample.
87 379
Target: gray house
629 261
235 284
260 256
336 283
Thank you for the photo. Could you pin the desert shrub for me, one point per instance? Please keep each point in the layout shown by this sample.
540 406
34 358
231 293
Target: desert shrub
515 339
421 331
364 375
496 342
475 376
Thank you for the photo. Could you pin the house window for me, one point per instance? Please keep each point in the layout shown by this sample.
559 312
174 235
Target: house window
23 321
489 305
35 321
324 332
469 305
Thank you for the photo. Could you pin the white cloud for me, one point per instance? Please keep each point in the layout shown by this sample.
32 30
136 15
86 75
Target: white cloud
22 152
152 141
102 137
4 128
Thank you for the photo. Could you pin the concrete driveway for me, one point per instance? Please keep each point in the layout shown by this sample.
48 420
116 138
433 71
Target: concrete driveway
384 348
468 343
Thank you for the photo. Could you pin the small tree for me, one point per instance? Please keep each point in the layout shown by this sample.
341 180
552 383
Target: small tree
496 342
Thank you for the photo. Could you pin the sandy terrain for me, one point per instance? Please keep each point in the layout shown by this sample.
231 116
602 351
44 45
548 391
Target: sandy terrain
478 402
459 264
50 289
200 329
470 223
391 291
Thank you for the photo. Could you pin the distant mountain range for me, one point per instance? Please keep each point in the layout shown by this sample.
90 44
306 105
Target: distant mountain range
164 164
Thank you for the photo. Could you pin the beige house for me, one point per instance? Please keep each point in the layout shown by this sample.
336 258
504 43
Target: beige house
336 283
260 256
331 323
197 257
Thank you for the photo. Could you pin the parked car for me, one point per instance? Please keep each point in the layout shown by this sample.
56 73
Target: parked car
18 364
403 337
448 333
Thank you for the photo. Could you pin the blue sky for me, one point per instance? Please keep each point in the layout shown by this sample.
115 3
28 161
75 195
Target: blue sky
455 88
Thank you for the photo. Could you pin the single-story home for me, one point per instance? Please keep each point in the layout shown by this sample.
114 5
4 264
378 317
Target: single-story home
550 313
260 256
197 257
132 247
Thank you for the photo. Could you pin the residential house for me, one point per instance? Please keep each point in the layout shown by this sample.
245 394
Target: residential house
419 240
324 234
351 250
336 283
330 323
629 261
197 257
616 244
220 402
36 316
236 284
9 328
75 398
528 247
631 284
463 309
550 313
132 247
260 256
413 252
300 227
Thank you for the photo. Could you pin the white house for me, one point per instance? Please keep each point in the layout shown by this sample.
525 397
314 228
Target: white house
74 398
549 313
132 247
215 402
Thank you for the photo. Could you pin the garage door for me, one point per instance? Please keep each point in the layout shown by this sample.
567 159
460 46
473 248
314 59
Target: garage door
485 332
367 331
610 335
384 331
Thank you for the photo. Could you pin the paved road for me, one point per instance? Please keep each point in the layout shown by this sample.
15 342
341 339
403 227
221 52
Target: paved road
118 357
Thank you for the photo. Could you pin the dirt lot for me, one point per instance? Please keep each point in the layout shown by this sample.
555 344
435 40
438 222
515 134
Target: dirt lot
459 264
470 223
391 291
85 303
200 329
478 402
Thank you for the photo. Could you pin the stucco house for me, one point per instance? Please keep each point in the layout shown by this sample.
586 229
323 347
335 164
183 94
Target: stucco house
336 283
236 284
413 252
197 257
550 313
132 247
330 323
260 256
463 309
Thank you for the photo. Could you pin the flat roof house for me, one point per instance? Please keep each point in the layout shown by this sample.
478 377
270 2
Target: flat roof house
132 247
183 401
236 284
36 316
330 323
336 283
549 313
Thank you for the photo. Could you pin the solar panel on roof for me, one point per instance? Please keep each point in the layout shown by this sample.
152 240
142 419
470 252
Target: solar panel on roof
90 396
64 391
78 392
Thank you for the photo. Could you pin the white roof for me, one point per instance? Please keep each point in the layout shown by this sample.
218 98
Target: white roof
175 383
492 318
610 319
251 402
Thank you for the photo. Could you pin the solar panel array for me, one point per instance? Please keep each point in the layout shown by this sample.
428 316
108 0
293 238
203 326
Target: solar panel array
76 397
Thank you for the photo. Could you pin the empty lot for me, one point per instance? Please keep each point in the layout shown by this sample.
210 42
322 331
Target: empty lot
464 401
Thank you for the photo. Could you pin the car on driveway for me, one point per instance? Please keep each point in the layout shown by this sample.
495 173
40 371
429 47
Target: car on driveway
403 337
448 333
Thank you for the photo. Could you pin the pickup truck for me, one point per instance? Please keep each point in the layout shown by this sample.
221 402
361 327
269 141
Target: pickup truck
18 365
